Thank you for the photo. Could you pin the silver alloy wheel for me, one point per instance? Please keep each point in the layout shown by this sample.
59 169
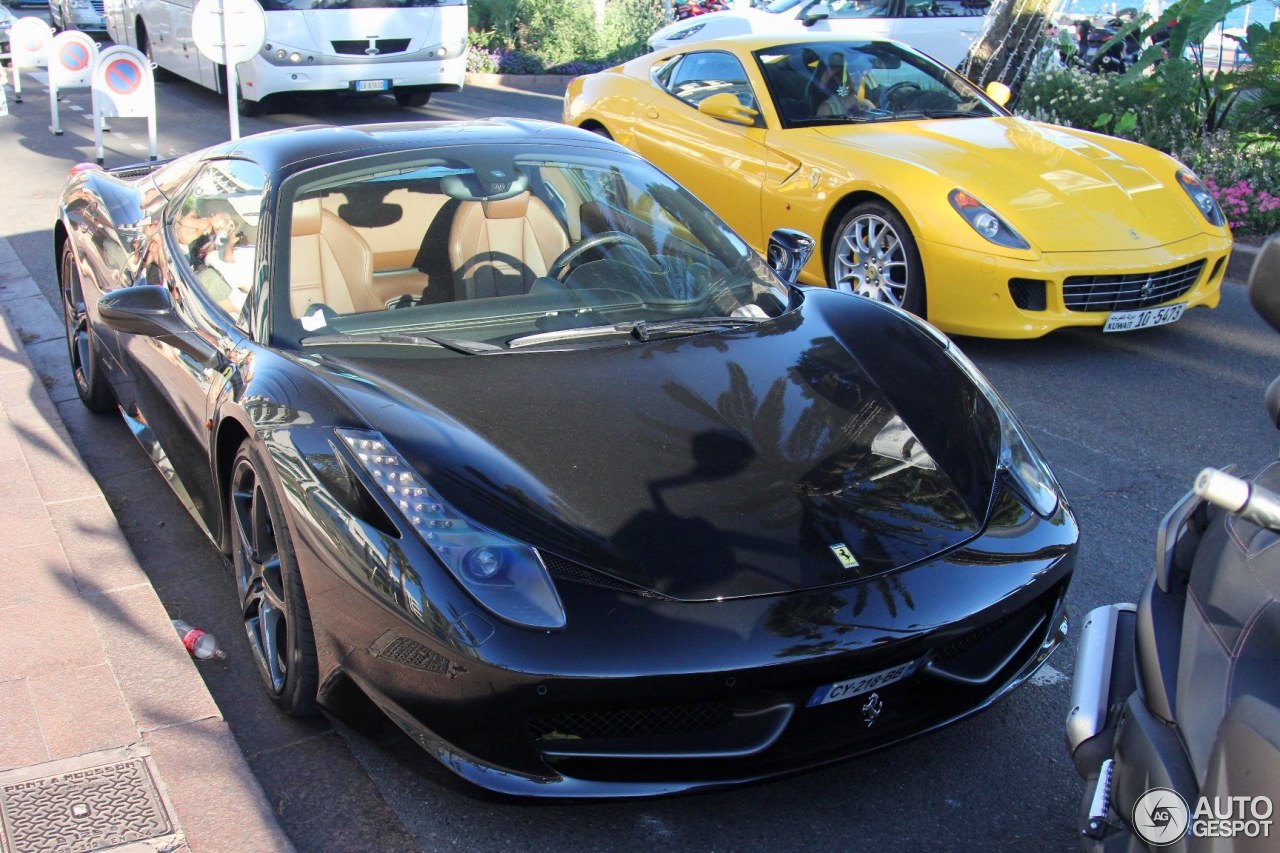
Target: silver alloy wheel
871 260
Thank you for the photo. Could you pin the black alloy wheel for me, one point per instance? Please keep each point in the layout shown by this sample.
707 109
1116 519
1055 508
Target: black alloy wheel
277 621
92 386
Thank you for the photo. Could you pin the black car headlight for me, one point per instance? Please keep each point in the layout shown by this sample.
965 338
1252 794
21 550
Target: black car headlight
985 221
507 577
1026 468
1201 197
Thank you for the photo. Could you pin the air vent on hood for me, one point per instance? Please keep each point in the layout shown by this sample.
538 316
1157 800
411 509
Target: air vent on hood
566 570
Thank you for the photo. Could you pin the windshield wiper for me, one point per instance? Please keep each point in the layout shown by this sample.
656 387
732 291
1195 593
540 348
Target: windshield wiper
644 330
454 344
641 330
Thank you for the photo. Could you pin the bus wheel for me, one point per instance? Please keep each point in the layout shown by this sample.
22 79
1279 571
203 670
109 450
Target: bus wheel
249 108
412 97
159 74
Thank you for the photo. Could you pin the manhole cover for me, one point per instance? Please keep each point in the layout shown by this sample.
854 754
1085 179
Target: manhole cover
82 810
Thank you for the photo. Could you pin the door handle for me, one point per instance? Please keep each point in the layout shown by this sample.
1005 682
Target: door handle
650 112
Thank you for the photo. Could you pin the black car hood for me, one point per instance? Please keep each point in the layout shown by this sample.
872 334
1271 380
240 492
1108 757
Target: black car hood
710 466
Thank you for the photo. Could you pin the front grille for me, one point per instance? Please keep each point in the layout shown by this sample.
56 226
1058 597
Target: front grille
566 570
98 6
360 47
632 722
408 653
1128 292
960 645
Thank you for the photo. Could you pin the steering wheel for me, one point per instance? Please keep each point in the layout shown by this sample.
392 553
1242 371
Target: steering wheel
886 100
561 264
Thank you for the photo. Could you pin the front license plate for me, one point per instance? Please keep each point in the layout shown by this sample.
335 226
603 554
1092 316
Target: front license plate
372 85
1127 321
828 693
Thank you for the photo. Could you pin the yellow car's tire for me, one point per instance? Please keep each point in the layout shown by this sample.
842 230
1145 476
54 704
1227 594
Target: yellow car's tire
874 255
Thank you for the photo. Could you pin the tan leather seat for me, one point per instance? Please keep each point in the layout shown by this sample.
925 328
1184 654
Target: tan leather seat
498 248
329 263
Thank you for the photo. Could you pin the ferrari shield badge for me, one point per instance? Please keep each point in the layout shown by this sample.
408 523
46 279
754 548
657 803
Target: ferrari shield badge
844 555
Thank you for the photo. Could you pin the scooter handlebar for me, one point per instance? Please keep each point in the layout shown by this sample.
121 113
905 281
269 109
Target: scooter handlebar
1250 501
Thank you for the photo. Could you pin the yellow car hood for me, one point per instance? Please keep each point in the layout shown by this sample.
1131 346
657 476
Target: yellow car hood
1062 190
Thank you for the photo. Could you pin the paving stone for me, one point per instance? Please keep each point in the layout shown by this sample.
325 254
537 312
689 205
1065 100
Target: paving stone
208 745
81 711
96 551
55 465
38 639
20 740
35 574
153 669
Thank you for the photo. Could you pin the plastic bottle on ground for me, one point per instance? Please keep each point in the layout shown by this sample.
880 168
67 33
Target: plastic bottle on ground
201 644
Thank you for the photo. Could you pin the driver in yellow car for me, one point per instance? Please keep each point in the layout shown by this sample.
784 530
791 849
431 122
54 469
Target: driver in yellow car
848 87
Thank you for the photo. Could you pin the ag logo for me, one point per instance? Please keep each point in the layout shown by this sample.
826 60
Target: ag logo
844 555
1160 816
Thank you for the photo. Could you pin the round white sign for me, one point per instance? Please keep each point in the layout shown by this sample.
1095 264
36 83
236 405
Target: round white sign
29 40
245 29
72 56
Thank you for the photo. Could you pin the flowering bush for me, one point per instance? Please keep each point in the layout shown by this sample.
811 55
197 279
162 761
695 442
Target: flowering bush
1157 110
581 66
483 61
562 36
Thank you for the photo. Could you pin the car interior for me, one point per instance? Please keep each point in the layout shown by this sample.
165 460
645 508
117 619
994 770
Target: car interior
539 248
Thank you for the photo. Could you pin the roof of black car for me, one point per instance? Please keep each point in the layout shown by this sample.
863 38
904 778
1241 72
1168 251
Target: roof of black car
317 144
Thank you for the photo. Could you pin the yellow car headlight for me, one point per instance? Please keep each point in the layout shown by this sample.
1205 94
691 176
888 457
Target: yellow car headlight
985 221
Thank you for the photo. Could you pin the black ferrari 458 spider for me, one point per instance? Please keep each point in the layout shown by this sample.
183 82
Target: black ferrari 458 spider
502 426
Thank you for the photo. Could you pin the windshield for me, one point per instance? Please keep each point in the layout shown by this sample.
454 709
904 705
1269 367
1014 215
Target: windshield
305 5
844 82
779 6
487 248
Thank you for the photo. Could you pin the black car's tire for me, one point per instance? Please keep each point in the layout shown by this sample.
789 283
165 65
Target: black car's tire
412 97
86 369
272 601
873 254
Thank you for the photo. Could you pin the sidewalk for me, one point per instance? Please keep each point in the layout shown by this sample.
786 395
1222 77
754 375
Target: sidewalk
108 735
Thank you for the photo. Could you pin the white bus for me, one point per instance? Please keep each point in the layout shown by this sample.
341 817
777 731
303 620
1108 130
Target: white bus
407 48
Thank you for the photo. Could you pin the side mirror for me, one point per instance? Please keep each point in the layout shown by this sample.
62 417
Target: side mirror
725 107
147 310
999 92
789 250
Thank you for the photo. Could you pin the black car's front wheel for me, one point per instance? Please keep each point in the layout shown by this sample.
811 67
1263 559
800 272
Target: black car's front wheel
91 384
874 255
276 619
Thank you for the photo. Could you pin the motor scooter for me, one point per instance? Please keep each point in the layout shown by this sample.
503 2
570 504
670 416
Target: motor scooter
694 8
1175 700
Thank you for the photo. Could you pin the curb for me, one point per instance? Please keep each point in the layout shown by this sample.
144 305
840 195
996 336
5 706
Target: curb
167 720
544 83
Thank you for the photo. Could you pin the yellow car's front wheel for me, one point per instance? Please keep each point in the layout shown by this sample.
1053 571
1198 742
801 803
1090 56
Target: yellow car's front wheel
874 255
